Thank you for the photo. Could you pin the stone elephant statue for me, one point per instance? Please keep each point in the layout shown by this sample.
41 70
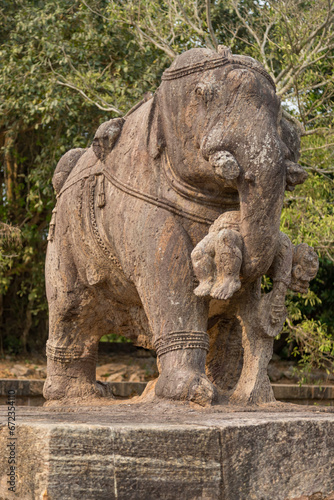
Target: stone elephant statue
126 250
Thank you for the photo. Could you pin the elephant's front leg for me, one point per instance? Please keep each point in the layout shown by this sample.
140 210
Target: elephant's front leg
165 281
76 325
254 386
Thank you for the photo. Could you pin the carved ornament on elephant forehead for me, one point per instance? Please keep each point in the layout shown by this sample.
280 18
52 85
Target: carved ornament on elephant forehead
226 57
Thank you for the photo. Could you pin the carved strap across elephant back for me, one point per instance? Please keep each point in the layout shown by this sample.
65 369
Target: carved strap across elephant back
157 201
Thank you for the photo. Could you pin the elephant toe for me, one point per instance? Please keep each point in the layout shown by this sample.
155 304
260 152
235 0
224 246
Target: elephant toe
186 386
202 391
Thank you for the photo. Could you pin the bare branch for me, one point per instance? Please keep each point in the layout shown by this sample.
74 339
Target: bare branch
320 131
208 20
94 11
165 48
329 19
321 172
265 36
74 87
325 146
188 20
156 34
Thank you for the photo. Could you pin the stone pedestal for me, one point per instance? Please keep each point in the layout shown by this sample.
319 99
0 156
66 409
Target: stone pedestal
170 452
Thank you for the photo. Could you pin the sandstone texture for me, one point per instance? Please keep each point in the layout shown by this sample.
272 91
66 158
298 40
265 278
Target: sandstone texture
163 229
171 451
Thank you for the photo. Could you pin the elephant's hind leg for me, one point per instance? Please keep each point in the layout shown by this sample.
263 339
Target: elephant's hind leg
75 329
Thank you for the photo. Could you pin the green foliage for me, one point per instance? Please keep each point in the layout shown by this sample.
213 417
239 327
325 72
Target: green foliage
43 46
112 337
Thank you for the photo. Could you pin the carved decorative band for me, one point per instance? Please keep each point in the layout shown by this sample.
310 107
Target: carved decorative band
95 228
174 341
166 205
173 74
69 353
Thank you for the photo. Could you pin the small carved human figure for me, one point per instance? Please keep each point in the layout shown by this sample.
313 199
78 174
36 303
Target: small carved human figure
293 267
217 261
305 265
217 258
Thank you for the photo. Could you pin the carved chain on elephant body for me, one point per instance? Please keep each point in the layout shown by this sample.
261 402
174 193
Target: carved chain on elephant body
153 200
173 341
94 225
80 197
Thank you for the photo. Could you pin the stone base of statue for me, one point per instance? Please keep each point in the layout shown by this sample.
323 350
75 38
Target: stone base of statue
169 451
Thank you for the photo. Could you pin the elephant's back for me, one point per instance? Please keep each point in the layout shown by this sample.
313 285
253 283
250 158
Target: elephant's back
87 165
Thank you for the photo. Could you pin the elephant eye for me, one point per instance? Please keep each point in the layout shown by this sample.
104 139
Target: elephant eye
205 91
200 89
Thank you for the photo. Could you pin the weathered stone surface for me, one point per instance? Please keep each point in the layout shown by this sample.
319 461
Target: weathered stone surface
310 394
300 451
164 227
30 392
167 452
32 459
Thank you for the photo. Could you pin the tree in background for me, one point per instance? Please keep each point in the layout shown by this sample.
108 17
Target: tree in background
41 119
68 66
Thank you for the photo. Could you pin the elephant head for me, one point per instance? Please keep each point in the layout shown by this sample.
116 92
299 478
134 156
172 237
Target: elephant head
221 122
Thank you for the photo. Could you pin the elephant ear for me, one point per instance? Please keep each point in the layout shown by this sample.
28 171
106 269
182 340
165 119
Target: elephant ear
155 140
291 130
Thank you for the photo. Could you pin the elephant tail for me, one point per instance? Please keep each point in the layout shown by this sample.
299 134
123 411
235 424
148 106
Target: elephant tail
65 166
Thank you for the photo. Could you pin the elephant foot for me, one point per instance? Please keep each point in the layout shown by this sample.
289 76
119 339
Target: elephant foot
59 387
204 288
186 385
224 289
250 392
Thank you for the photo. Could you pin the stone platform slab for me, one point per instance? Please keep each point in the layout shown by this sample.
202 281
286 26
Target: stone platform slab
30 392
166 451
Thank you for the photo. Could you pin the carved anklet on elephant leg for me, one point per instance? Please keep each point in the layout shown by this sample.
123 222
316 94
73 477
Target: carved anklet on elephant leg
182 377
70 353
173 341
71 374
